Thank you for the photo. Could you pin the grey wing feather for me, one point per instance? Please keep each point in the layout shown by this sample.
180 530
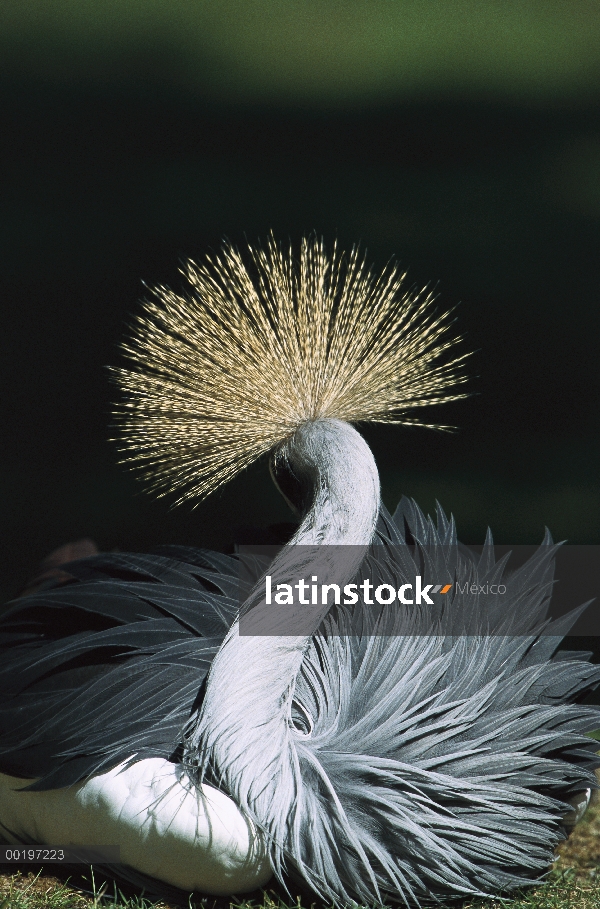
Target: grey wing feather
112 663
436 760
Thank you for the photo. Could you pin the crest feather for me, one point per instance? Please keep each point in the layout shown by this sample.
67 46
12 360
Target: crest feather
228 371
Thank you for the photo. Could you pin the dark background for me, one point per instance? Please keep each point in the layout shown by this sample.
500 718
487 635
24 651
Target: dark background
461 138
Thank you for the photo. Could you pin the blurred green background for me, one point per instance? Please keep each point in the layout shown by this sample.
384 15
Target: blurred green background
463 138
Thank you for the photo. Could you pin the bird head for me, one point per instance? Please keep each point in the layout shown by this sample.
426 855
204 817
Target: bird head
256 347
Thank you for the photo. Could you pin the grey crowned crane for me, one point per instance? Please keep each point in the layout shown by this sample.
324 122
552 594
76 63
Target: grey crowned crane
431 761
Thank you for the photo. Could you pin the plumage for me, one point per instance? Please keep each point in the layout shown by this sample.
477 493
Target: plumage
230 369
428 740
373 753
126 646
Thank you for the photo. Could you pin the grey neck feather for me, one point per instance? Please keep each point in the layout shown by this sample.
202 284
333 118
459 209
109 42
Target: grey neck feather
335 466
245 718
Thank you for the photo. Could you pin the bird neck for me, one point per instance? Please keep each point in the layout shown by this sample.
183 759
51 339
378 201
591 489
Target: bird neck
244 725
337 475
337 492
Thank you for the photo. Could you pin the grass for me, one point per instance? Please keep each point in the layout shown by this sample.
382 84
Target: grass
573 883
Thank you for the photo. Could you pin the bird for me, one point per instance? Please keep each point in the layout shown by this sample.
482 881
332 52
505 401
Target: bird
427 744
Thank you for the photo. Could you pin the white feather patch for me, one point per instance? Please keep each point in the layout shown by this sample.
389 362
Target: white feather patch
195 838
